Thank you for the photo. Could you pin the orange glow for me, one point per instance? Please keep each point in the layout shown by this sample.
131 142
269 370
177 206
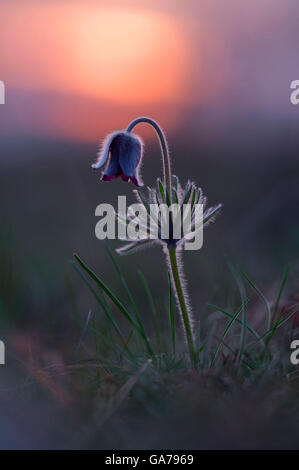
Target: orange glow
121 55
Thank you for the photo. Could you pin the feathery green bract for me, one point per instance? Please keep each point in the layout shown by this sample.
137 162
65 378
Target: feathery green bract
161 191
175 182
193 199
187 193
143 200
175 196
132 247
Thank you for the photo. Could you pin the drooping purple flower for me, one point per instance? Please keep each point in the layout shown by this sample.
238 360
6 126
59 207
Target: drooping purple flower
121 155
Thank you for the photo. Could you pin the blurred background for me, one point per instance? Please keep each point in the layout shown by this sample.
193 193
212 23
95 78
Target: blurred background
216 75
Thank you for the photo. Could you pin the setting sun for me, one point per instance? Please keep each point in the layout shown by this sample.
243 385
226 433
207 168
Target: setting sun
128 56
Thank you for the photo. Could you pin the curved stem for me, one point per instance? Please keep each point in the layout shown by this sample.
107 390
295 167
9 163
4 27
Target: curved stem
172 251
176 276
164 149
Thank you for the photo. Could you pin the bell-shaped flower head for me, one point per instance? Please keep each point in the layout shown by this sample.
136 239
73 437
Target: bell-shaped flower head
121 155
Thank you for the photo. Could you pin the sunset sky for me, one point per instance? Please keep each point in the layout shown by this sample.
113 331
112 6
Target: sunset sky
72 69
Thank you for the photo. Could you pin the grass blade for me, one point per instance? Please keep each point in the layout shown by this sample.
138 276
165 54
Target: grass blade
105 310
127 290
225 333
276 326
152 307
262 297
84 329
221 310
281 322
244 311
284 279
116 302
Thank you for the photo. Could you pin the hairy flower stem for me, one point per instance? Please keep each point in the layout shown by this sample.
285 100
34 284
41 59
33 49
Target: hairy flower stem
164 149
172 251
176 276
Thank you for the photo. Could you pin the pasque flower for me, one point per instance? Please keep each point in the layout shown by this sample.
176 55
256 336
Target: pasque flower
121 155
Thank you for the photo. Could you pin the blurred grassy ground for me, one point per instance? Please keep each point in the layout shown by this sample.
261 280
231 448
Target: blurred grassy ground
48 196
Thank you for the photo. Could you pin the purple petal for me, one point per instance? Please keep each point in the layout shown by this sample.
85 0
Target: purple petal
113 169
136 182
109 177
130 153
124 177
103 153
